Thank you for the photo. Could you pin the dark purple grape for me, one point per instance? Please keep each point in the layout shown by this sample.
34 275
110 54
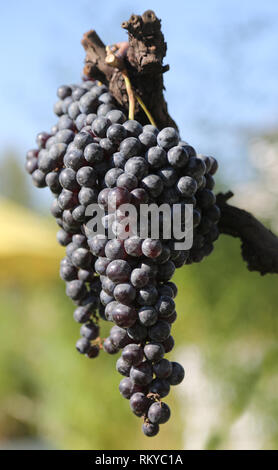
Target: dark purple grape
133 354
159 413
150 429
139 404
177 375
141 374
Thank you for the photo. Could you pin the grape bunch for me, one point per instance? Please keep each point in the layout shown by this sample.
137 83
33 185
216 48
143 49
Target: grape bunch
95 155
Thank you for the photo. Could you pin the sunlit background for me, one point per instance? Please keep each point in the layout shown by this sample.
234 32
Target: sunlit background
222 90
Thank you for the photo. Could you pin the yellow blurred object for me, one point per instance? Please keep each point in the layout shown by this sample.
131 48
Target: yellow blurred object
28 247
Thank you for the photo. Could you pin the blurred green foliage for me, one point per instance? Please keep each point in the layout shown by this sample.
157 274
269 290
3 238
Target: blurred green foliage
227 317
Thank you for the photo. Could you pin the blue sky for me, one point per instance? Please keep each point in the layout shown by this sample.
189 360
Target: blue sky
222 86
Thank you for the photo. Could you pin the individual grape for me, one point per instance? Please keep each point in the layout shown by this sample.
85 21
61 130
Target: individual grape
130 147
160 387
118 160
167 272
86 176
87 103
187 186
104 109
84 275
151 248
52 181
87 196
128 388
133 128
109 309
133 246
39 179
109 347
174 288
177 157
153 185
168 344
139 196
150 429
139 404
83 346
165 306
214 166
213 213
90 331
74 110
147 139
101 265
82 315
168 175
74 159
137 332
116 116
31 165
195 167
124 293
123 367
93 153
168 138
137 166
139 278
163 369
64 91
205 198
148 316
41 139
160 331
133 354
151 128
119 337
164 255
127 181
105 298
78 93
63 237
149 268
111 177
97 245
106 98
124 315
159 413
93 352
141 374
64 136
79 213
118 197
67 179
147 295
76 290
156 157
118 271
56 211
154 352
108 286
68 272
177 374
81 258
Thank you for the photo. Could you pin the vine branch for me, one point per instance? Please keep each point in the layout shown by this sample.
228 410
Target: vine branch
259 246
